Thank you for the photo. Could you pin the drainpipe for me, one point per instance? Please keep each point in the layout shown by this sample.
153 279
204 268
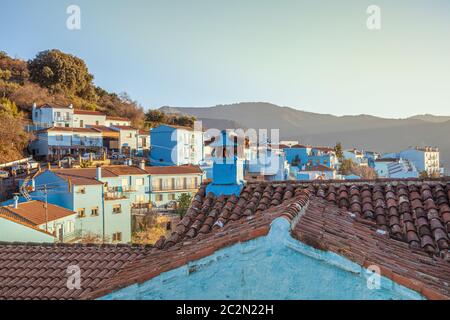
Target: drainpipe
103 213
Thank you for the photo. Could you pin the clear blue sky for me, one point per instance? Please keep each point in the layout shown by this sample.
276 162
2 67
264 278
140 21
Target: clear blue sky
312 55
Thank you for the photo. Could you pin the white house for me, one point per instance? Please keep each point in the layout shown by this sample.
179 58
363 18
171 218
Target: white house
117 121
424 159
356 156
56 142
128 139
46 116
84 118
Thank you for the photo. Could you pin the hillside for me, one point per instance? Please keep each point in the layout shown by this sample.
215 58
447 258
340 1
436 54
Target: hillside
362 131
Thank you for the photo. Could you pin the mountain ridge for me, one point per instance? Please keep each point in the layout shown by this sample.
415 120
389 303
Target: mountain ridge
362 131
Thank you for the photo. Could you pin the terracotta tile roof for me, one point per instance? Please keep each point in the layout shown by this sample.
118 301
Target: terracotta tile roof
415 213
46 105
87 176
319 167
186 169
14 218
144 132
33 212
326 227
88 112
38 271
214 222
125 128
117 118
69 129
124 170
103 128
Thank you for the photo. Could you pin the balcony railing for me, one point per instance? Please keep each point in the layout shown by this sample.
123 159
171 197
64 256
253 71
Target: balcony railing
88 142
115 195
175 188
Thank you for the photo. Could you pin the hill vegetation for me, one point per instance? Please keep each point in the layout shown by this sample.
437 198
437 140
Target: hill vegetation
60 79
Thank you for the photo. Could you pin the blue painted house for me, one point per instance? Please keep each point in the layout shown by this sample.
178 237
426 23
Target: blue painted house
307 155
102 197
175 145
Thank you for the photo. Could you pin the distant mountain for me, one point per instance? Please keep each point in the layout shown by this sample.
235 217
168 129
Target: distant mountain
361 131
430 118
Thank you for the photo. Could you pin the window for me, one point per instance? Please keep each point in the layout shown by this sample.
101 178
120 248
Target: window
81 213
96 123
196 182
129 135
94 211
36 114
117 236
70 227
140 182
59 137
124 182
159 197
171 196
117 208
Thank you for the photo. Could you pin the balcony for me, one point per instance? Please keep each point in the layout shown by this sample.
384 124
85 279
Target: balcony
115 195
87 142
175 188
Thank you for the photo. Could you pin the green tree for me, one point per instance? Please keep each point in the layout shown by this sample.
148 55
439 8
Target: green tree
62 72
346 167
338 151
423 175
183 204
155 116
9 107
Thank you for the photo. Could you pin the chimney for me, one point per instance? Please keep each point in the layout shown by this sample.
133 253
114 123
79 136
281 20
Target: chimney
16 202
34 106
49 166
142 165
98 173
70 106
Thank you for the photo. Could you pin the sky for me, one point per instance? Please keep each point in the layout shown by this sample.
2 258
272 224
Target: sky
317 56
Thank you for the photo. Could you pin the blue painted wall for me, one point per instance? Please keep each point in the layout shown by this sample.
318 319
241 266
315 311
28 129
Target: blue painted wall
163 143
272 267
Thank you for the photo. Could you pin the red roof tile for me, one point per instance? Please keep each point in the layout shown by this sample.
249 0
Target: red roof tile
33 212
117 118
33 271
215 222
88 112
186 169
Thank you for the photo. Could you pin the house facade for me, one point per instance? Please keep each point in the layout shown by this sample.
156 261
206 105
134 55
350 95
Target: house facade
85 118
308 155
395 168
167 183
57 142
47 116
176 146
117 121
317 172
55 220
